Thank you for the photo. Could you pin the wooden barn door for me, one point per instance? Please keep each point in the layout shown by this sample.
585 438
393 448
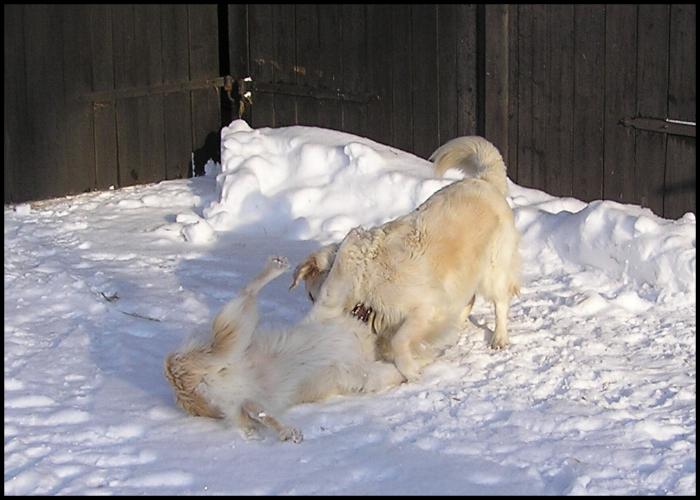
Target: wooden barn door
603 102
99 96
404 75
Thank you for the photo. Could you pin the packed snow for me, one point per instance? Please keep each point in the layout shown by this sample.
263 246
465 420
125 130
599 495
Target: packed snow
595 395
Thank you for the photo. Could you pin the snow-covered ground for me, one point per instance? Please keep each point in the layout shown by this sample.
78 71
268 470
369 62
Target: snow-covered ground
595 395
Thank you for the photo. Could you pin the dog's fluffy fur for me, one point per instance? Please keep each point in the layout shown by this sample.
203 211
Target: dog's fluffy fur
249 375
420 272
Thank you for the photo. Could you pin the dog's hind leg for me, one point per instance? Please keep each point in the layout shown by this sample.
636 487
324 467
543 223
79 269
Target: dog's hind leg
275 266
500 334
234 325
258 414
464 315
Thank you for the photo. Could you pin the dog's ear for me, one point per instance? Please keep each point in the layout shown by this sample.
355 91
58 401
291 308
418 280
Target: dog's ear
305 270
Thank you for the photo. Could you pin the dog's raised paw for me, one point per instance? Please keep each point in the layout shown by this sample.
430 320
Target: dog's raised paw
291 434
279 262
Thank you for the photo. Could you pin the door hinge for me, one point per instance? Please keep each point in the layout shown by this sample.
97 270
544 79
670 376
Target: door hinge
660 125
167 88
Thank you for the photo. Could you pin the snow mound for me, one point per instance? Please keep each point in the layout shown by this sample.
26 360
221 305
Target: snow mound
306 183
629 243
309 183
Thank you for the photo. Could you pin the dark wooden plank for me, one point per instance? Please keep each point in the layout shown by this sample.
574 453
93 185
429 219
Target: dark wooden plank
589 86
204 51
78 117
682 89
284 29
353 54
447 70
496 88
238 40
425 77
150 28
652 95
261 59
513 83
681 176
174 20
126 75
620 103
378 73
526 48
104 113
138 63
330 77
540 96
44 167
308 52
237 54
177 107
149 64
466 70
402 68
204 63
558 140
18 142
124 45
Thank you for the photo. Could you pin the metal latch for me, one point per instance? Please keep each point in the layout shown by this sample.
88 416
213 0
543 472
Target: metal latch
238 93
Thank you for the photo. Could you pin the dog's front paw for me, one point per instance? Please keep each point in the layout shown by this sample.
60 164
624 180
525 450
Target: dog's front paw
409 369
499 343
291 434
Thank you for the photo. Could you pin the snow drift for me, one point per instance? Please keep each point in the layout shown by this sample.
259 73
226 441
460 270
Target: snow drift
310 183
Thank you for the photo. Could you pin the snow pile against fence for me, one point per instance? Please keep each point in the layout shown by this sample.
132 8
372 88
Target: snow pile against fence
310 183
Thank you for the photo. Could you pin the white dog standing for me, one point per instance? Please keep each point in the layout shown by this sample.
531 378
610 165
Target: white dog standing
250 375
416 276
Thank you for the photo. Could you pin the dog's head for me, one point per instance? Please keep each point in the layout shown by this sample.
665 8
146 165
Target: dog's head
334 273
337 278
313 274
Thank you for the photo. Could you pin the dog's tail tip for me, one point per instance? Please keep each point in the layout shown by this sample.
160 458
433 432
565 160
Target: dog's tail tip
476 157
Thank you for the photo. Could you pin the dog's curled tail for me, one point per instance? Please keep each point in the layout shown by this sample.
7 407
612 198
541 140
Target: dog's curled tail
476 157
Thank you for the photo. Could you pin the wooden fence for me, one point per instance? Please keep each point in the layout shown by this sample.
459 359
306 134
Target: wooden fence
577 75
559 88
89 101
577 97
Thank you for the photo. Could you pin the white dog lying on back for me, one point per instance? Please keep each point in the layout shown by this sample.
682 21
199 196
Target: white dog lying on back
249 375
